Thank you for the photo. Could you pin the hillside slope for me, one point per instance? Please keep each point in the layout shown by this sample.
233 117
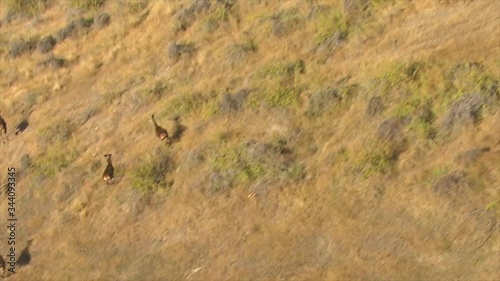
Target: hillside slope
311 140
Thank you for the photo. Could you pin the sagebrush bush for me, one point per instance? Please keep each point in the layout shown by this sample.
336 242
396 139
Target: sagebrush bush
23 45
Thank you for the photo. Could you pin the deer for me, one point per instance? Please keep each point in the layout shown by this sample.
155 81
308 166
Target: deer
108 174
161 133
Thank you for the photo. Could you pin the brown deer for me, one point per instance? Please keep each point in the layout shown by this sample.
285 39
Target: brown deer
161 133
107 176
3 129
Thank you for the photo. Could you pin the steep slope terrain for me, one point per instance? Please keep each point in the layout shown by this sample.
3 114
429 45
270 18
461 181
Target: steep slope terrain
311 140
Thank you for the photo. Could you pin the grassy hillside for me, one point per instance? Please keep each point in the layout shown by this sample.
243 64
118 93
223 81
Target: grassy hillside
311 140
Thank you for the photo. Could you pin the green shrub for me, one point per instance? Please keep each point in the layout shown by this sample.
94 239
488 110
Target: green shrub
56 157
331 27
403 72
408 106
283 97
252 161
154 92
376 159
279 69
56 132
296 172
149 174
339 98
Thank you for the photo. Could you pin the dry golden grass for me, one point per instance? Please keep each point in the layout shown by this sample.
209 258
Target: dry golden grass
336 205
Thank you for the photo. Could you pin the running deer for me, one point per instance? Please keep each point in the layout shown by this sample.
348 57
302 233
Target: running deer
107 176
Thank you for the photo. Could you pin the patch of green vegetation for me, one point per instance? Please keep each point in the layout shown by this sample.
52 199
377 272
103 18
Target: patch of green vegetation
337 98
440 171
58 131
193 103
56 157
226 158
296 172
278 143
210 108
137 6
149 174
275 97
403 72
472 78
87 4
331 27
154 92
251 161
408 106
284 21
109 97
376 159
423 128
493 205
27 7
278 69
251 172
283 97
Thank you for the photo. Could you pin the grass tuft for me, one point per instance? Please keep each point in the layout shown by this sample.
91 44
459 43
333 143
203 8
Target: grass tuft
150 173
27 7
87 4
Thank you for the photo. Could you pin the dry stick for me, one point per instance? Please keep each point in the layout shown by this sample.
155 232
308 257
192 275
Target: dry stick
297 138
490 232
